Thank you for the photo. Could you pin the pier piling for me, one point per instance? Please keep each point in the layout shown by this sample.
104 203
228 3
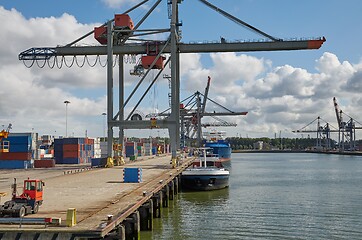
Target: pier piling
146 215
166 195
157 204
171 188
132 226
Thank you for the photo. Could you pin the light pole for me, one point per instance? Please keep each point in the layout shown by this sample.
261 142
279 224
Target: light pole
104 124
66 117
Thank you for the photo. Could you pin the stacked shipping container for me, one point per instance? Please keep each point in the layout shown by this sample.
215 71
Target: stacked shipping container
19 153
73 150
131 149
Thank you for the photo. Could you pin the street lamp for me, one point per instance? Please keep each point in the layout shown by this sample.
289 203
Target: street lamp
66 117
104 124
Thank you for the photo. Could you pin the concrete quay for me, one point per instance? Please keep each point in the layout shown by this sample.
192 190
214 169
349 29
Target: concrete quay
105 206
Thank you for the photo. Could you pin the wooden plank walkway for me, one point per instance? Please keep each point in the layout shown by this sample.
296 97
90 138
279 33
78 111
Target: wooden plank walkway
95 194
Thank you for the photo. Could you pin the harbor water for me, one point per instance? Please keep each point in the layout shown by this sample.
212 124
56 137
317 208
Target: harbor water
272 196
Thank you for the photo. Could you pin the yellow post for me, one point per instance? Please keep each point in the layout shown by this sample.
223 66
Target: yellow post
110 162
122 162
71 217
174 162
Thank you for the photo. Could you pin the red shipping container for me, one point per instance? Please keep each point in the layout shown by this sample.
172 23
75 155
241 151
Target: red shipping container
49 163
130 144
71 147
15 156
74 154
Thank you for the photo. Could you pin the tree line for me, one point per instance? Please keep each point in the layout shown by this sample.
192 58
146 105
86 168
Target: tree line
238 143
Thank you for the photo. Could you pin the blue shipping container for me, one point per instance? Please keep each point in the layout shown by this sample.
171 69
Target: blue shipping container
98 162
15 164
19 148
132 175
130 151
67 161
19 139
73 140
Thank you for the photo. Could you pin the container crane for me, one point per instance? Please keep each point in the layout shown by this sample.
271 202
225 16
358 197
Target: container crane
192 110
346 130
323 134
122 37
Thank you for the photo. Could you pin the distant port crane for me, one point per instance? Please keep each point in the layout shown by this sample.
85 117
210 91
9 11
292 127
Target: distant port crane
346 130
323 133
193 109
121 37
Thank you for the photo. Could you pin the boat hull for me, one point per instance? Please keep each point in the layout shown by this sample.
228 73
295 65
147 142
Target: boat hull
204 180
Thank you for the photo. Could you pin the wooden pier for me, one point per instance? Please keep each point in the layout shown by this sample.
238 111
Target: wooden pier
96 203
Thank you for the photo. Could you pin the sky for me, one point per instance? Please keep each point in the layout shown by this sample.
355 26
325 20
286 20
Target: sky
282 91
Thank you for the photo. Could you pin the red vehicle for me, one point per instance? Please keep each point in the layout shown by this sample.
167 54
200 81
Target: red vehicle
26 203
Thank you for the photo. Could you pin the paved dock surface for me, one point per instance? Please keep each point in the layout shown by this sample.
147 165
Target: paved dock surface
94 193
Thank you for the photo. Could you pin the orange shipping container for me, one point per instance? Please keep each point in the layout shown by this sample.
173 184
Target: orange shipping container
73 154
15 156
49 163
71 147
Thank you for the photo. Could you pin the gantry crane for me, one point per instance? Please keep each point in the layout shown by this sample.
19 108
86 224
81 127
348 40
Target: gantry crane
192 110
323 133
120 37
346 130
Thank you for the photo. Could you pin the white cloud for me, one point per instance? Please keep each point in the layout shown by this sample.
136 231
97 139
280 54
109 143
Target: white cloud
32 98
281 98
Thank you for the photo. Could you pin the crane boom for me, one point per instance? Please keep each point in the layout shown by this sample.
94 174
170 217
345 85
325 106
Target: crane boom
206 94
46 53
336 108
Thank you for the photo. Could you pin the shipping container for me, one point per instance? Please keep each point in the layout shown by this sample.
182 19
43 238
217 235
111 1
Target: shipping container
73 141
132 175
15 156
69 161
154 150
131 151
15 164
46 163
98 162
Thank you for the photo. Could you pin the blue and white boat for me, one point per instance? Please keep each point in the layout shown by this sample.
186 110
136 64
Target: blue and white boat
220 147
206 176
